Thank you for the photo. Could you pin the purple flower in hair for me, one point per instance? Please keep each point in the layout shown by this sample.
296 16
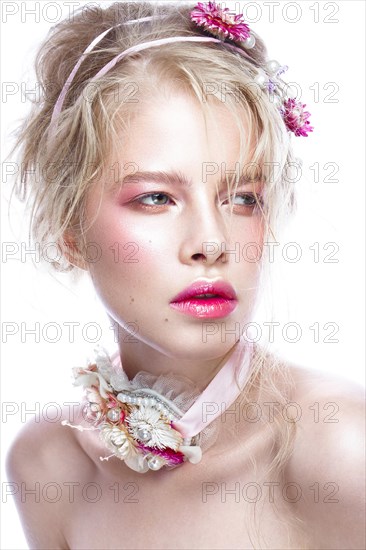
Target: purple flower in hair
271 86
220 22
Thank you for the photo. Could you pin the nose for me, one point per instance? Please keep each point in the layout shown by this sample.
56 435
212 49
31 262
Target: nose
206 238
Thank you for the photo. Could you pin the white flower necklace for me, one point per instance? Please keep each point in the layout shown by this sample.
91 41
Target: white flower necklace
143 422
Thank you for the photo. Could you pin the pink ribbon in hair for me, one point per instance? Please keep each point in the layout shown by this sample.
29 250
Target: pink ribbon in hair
134 49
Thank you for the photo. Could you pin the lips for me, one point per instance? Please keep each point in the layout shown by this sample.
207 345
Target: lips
220 289
204 299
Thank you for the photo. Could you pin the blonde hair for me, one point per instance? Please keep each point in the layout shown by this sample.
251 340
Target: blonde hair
60 169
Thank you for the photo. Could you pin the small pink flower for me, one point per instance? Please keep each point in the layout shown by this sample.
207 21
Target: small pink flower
296 119
169 455
220 22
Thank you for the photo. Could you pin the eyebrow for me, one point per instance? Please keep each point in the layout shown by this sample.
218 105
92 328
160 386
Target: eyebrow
168 178
174 177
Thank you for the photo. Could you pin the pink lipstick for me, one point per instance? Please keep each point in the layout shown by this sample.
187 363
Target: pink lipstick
206 300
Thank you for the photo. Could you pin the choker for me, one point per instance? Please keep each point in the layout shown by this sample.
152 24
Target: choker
152 421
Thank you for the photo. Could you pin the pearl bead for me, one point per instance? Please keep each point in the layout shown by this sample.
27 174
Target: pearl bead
248 43
143 434
273 66
274 99
139 400
291 93
113 414
260 79
154 463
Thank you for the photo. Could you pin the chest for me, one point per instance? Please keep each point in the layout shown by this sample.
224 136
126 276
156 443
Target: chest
213 505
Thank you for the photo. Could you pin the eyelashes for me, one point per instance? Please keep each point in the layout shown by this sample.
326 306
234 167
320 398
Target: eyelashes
248 199
154 197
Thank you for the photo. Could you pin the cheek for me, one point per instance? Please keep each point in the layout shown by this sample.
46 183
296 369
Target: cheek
124 246
258 238
252 246
260 231
249 237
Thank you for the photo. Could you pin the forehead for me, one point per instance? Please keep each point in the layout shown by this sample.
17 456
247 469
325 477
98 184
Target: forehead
177 132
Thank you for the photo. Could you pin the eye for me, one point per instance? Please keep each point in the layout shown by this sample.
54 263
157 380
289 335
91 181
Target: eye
246 199
154 199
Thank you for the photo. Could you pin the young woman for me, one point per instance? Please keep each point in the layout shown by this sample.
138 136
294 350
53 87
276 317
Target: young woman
161 156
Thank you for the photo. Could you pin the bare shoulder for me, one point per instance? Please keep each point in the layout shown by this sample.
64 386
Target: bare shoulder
44 458
328 461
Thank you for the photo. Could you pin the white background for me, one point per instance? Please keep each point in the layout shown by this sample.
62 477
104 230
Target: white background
321 55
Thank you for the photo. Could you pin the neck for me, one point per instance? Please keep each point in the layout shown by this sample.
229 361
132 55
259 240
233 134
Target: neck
138 356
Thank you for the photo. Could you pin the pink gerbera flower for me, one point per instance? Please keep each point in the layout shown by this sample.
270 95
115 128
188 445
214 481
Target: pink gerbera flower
220 22
296 119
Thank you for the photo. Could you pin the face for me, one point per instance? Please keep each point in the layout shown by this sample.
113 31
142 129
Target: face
157 234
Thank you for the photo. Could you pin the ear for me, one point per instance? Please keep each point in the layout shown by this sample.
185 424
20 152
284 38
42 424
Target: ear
72 251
